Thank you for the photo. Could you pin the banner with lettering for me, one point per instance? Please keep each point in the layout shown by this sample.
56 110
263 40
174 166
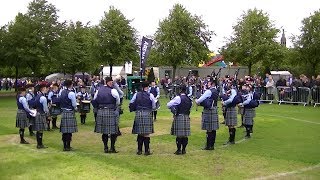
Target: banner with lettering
144 53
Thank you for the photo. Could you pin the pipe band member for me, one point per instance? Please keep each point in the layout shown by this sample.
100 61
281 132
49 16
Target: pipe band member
22 114
107 99
54 101
210 120
180 107
153 89
83 95
31 102
68 123
231 113
42 114
143 103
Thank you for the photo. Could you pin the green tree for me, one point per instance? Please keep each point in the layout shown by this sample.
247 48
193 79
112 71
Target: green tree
117 40
75 48
181 39
308 43
253 40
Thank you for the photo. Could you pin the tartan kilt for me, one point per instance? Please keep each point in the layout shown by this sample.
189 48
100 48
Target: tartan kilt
240 110
55 111
22 119
249 114
210 119
95 110
68 122
143 122
31 120
231 116
40 123
181 125
106 122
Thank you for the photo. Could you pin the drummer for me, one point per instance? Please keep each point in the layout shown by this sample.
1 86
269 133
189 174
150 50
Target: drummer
54 102
156 93
83 97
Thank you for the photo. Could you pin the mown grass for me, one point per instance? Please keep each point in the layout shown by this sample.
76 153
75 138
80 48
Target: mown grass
285 139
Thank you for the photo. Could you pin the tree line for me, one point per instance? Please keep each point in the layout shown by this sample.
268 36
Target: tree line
36 43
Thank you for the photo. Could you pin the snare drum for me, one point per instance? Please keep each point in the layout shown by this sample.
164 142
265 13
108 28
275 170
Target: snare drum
55 110
85 106
157 105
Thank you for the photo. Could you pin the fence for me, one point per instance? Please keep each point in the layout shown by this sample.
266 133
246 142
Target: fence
292 95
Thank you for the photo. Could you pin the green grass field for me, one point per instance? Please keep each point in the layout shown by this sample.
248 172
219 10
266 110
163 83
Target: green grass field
285 145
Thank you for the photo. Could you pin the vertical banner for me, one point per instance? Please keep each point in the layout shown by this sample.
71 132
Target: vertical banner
144 53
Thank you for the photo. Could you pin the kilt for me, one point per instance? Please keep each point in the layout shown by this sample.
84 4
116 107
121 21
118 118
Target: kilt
106 122
181 125
95 110
22 119
55 111
240 110
68 122
31 120
143 122
40 123
249 114
231 116
210 120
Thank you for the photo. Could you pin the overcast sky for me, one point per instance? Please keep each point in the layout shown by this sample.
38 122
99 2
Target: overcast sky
146 14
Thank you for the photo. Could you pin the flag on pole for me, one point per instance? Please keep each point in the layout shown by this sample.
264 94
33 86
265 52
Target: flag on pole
144 53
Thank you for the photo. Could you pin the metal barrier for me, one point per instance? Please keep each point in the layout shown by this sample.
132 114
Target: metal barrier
267 94
315 96
300 95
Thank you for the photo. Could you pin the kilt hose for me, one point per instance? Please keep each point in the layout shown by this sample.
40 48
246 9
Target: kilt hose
143 122
40 123
68 122
22 119
181 125
249 114
210 120
107 121
231 116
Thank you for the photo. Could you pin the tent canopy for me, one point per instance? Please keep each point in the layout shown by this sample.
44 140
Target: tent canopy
116 70
55 76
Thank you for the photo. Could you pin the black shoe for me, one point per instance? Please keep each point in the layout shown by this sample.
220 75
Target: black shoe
178 152
106 151
247 137
208 148
24 142
139 152
41 147
147 153
229 143
31 133
66 149
183 152
240 126
113 151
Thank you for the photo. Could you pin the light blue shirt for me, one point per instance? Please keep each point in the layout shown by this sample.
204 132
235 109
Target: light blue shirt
153 100
43 101
116 87
72 97
29 96
174 102
248 97
190 91
24 103
204 96
231 97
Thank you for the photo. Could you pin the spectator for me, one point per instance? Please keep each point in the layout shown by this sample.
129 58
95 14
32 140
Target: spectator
270 88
